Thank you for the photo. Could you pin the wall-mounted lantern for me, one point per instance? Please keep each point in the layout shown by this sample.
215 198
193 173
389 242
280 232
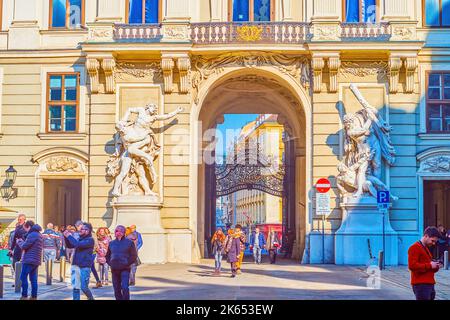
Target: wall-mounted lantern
7 191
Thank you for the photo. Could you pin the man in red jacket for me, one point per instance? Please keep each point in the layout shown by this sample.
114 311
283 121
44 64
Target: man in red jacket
422 266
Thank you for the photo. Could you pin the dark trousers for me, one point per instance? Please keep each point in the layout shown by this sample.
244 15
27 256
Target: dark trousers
94 272
29 270
233 268
121 280
424 291
273 255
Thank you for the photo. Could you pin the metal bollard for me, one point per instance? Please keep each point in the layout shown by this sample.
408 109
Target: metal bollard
380 259
17 281
62 269
2 268
49 270
446 260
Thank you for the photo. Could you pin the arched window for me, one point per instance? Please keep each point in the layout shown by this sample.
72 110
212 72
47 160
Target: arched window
364 11
143 11
66 13
251 10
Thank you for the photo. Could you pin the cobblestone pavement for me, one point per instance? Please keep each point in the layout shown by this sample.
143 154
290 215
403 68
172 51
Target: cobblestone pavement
286 280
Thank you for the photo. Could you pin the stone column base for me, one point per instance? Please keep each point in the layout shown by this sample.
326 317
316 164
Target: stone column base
363 221
145 213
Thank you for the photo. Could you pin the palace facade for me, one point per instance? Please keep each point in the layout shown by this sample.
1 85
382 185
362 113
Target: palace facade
69 70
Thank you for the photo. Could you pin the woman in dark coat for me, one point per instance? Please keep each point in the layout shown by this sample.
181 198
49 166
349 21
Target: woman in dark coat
233 249
32 256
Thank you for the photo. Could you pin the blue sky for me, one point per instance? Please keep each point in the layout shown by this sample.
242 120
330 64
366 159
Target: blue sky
231 122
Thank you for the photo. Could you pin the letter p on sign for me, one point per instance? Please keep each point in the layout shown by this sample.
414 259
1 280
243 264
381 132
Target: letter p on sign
383 197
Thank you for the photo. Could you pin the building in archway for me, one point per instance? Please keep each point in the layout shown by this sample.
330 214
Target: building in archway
67 75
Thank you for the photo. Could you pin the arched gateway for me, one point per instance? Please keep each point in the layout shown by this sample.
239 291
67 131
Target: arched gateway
260 85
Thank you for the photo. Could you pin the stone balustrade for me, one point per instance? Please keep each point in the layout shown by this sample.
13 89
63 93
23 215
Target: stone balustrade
365 31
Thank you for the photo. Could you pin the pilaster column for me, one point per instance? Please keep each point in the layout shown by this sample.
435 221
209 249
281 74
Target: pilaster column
108 65
109 11
24 30
167 65
216 10
411 64
175 26
287 10
93 66
333 67
317 64
326 9
395 63
184 66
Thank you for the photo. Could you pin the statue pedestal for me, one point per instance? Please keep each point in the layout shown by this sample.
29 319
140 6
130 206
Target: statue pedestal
145 213
362 221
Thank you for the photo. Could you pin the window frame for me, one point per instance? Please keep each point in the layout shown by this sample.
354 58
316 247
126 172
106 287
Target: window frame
62 103
440 101
67 26
251 16
377 13
127 12
424 20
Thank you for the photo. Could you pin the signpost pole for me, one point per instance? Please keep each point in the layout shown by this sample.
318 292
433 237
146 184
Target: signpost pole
323 239
384 242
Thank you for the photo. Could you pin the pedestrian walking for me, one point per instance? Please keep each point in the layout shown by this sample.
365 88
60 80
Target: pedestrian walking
257 244
218 246
51 244
273 243
32 256
60 252
19 234
121 255
98 283
422 265
136 237
290 238
242 238
82 259
103 240
69 251
442 244
233 249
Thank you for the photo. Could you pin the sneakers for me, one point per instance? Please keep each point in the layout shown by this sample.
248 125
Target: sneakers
239 271
233 275
98 285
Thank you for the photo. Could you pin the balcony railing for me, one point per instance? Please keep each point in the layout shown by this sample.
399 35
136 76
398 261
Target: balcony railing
253 32
365 31
137 32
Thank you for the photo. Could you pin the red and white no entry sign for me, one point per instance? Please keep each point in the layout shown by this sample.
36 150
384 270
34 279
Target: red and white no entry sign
323 185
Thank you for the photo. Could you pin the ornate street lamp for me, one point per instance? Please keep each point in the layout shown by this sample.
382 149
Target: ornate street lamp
6 189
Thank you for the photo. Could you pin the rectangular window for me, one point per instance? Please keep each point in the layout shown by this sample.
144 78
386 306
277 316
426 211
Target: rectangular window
438 102
63 102
360 11
143 11
436 13
251 10
66 13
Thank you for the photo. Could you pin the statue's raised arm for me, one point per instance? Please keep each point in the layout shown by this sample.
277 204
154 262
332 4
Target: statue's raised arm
169 115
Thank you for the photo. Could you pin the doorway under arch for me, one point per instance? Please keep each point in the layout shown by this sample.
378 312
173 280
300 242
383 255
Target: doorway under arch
252 91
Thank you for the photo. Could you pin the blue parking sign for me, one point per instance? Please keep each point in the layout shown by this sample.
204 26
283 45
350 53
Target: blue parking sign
383 196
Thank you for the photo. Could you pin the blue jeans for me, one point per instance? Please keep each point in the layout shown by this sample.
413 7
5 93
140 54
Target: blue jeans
218 260
121 280
32 271
257 254
85 274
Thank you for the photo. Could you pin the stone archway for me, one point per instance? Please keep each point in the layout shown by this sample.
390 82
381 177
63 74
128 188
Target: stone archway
256 89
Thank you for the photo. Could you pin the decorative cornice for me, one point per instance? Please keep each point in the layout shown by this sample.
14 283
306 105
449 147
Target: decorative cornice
167 65
395 63
93 66
203 68
184 67
60 151
108 65
126 70
333 67
363 69
317 64
411 64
